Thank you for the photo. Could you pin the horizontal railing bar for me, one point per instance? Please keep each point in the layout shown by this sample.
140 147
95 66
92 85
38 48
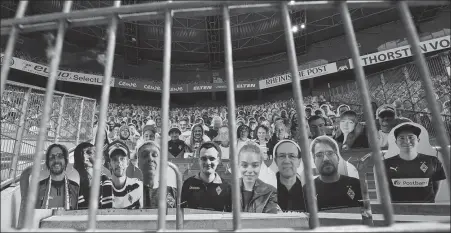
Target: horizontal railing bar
399 227
99 16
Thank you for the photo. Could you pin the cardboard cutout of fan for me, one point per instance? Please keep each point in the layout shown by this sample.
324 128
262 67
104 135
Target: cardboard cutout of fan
344 167
424 147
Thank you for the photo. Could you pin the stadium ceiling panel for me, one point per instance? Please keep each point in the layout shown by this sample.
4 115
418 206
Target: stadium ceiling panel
198 39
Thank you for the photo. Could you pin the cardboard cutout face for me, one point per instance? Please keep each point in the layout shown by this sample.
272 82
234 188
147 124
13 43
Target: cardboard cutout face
423 147
344 167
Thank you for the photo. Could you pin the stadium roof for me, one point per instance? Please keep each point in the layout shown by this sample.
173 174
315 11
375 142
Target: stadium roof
197 41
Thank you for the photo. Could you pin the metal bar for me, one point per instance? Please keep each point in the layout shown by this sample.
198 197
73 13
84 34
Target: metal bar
92 120
420 61
179 210
368 112
19 136
10 46
191 9
306 157
95 187
165 102
54 63
60 117
79 122
236 194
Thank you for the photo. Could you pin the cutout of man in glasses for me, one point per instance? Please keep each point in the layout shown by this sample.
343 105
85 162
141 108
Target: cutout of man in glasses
207 190
333 190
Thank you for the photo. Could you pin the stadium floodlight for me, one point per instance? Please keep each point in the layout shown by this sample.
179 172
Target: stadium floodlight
303 26
295 28
291 2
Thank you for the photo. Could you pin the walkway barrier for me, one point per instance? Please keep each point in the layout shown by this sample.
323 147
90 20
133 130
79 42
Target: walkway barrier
166 10
70 121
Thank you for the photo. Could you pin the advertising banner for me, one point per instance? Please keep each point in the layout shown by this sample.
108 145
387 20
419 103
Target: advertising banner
404 51
216 87
370 59
303 74
62 75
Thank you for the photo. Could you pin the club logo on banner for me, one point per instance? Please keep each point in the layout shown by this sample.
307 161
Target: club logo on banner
404 51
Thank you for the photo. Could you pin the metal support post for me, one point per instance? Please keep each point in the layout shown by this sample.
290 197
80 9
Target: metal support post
306 157
60 117
54 63
236 194
80 118
368 111
425 75
10 45
19 137
165 102
100 136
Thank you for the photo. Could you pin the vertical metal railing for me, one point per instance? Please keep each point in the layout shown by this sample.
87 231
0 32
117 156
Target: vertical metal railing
162 205
179 211
19 137
368 112
54 63
21 9
60 117
299 101
80 118
236 204
95 187
425 75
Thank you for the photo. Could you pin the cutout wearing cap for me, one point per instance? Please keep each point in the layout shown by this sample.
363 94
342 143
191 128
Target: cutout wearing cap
118 145
385 108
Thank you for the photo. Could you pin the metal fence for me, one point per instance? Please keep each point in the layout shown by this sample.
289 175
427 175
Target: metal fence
400 86
71 119
166 10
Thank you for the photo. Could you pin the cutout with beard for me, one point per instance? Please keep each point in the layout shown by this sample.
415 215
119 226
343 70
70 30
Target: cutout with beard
56 167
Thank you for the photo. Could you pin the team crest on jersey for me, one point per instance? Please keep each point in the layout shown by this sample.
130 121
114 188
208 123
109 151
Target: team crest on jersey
218 190
351 193
424 167
130 198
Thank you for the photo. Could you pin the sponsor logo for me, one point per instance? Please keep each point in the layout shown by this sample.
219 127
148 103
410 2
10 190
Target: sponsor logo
127 84
246 85
194 188
152 87
394 169
405 51
11 62
410 182
60 74
200 88
177 89
344 67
